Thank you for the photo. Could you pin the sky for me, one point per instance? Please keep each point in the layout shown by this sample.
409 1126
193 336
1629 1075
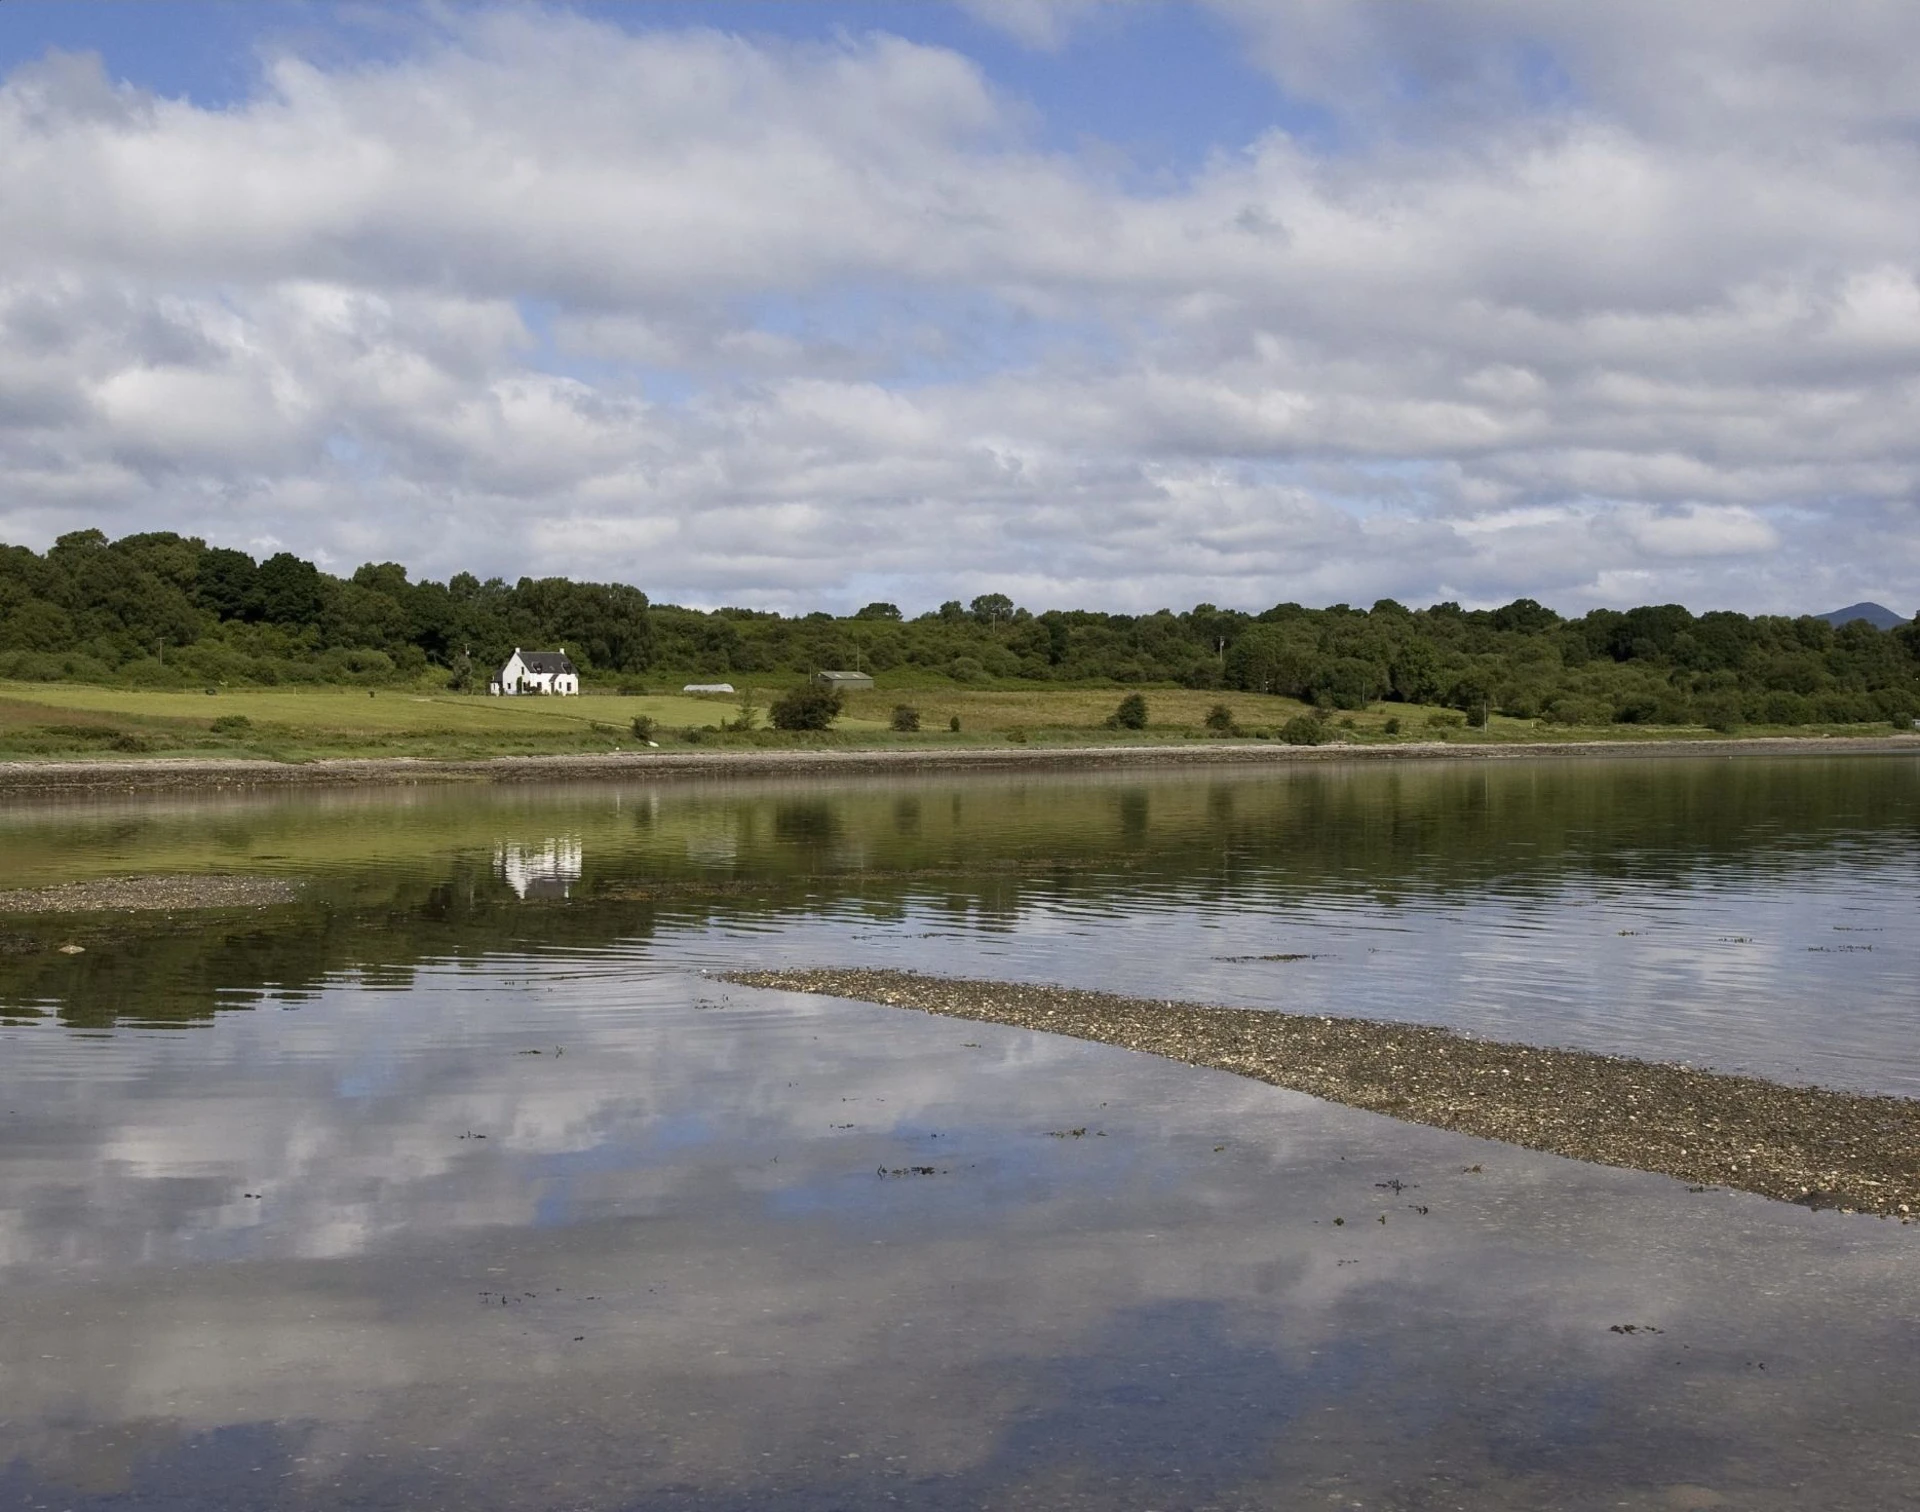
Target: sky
1112 304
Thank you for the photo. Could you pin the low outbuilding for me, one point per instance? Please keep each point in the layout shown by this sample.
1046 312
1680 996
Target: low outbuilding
708 688
843 682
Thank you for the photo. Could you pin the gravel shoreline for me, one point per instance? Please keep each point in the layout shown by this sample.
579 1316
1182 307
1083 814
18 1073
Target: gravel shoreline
148 894
1808 1145
55 778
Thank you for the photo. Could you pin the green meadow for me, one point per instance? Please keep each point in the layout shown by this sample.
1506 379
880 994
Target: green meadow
69 720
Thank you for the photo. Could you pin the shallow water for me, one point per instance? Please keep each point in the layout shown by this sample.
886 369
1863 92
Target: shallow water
293 1214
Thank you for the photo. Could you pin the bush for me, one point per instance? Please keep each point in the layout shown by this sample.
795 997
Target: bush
808 708
1303 729
1220 719
1132 713
643 727
1636 708
1783 708
1392 726
965 669
953 724
1719 711
905 720
231 724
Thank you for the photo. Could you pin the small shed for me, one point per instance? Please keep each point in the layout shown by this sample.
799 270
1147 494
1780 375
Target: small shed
843 682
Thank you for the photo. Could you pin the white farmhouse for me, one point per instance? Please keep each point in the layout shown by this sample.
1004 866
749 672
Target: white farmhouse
536 672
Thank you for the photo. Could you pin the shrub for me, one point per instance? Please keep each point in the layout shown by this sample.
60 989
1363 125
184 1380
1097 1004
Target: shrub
1392 726
1719 711
1636 708
1132 713
1303 729
965 669
808 708
905 719
1673 708
953 724
643 727
231 724
1220 719
1783 708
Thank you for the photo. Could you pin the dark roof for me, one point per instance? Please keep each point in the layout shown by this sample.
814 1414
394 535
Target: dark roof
547 661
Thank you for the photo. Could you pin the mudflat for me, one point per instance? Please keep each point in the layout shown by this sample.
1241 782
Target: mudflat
1808 1145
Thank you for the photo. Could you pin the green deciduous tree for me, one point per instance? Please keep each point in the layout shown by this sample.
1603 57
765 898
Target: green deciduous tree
807 708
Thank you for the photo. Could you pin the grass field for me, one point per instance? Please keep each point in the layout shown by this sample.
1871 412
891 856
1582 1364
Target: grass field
65 720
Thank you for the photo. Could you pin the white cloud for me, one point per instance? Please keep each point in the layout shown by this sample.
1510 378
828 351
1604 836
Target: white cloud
1702 531
1043 24
745 320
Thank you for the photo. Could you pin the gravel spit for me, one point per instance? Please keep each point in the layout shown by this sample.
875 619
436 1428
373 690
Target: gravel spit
1808 1145
146 894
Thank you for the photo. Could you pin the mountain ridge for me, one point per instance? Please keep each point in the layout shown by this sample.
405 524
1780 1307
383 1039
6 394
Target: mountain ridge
1877 615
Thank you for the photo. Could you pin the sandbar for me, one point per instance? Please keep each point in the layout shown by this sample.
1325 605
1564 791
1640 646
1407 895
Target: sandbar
1808 1145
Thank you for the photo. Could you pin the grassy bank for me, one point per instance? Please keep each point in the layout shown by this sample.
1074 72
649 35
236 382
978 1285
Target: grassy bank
66 721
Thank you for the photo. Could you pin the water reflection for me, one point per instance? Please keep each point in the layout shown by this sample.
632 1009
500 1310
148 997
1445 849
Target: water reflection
1752 914
545 872
276 1265
465 1189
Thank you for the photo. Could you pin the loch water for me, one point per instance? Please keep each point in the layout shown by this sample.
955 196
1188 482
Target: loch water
459 1180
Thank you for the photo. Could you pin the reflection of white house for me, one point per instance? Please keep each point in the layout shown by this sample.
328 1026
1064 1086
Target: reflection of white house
547 871
536 672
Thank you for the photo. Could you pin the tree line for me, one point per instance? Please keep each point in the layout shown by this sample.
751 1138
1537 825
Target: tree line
165 610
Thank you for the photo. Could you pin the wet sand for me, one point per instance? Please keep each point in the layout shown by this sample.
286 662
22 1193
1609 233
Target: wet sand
35 779
149 894
1807 1145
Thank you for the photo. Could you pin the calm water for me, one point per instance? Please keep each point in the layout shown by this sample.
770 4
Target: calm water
456 1184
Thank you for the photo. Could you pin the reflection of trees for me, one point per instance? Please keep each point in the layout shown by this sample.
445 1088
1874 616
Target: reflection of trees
428 888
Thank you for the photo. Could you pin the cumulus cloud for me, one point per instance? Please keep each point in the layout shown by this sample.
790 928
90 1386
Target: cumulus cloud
1562 305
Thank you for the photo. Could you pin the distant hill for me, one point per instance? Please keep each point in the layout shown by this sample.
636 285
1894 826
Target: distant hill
1877 615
